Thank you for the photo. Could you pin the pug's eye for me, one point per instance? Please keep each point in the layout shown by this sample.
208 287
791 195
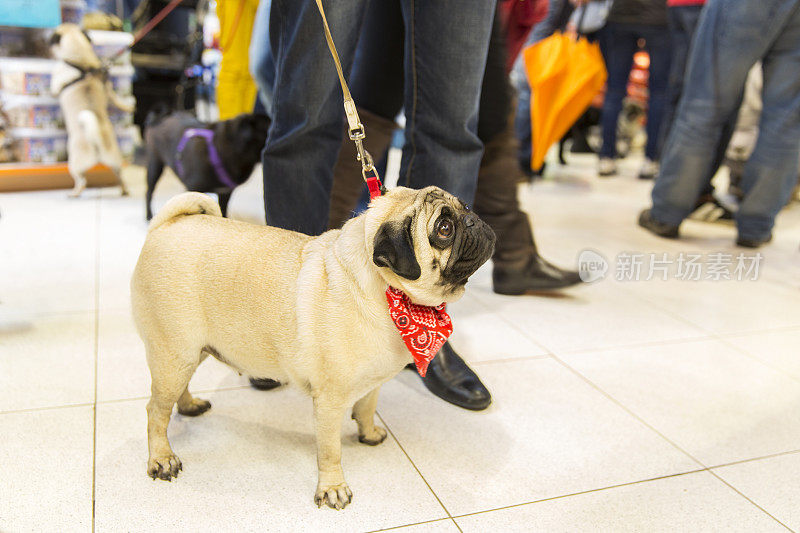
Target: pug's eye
444 228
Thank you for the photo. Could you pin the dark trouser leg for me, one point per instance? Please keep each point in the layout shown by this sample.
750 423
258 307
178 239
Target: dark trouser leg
657 45
445 56
307 121
620 45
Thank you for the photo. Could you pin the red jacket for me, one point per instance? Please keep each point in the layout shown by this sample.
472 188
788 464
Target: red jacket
518 17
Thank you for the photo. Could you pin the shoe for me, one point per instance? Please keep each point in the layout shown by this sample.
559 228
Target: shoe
537 275
606 167
711 209
450 379
649 170
652 225
752 243
264 383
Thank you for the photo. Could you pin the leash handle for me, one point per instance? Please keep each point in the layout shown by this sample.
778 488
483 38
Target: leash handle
355 128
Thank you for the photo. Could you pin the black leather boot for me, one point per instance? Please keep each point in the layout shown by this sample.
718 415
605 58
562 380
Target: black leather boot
537 275
518 267
450 379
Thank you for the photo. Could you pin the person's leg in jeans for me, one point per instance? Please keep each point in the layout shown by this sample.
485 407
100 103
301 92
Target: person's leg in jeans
308 119
683 22
557 17
771 172
620 45
262 65
729 39
445 57
657 44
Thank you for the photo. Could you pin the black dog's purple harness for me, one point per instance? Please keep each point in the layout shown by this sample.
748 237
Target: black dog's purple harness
213 155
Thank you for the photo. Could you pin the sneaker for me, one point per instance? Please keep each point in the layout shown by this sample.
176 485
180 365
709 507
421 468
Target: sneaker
649 170
606 167
710 208
652 225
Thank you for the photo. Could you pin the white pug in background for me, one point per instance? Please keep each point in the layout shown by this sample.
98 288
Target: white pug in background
84 90
311 311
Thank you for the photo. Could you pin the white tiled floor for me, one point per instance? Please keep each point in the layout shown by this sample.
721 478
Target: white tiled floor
618 406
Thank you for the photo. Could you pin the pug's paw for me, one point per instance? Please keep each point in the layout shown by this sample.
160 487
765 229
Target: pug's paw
334 496
164 467
194 408
374 437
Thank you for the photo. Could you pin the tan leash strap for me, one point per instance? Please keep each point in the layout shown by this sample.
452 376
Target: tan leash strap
355 127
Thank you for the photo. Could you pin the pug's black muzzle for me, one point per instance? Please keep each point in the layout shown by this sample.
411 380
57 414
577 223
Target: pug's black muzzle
473 246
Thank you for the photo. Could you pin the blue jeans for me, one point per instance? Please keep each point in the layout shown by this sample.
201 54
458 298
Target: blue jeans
619 44
557 17
446 46
683 22
262 65
730 38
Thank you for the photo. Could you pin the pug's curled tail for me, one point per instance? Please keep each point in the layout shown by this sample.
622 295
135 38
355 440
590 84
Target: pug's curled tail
188 203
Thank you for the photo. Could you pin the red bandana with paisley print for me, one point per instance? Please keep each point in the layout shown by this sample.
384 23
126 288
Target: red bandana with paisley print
424 329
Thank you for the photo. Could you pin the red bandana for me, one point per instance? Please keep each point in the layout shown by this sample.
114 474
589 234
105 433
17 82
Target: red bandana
424 329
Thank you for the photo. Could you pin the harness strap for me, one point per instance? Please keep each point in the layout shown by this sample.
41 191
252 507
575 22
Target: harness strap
355 127
91 71
213 155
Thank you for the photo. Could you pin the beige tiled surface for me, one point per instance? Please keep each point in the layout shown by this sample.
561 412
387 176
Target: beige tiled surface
611 401
693 502
771 483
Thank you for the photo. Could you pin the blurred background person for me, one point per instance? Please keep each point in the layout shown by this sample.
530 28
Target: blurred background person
730 39
629 22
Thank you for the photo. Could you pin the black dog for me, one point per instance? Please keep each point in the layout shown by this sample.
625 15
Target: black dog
213 157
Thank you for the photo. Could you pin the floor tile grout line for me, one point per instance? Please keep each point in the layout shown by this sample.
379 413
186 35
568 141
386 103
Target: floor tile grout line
740 493
757 359
510 359
117 400
399 445
392 528
45 408
587 491
753 459
193 391
98 210
626 409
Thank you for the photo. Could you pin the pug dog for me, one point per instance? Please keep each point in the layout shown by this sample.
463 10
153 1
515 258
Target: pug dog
311 311
81 83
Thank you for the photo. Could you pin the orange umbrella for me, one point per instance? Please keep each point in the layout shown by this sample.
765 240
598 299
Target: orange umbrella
564 74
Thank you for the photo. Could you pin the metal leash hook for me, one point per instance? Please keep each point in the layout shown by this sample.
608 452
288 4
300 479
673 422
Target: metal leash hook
355 128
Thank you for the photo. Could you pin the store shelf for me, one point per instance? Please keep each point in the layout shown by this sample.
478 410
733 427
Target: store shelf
28 177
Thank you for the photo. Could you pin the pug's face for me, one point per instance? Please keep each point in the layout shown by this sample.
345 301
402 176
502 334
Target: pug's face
426 243
70 43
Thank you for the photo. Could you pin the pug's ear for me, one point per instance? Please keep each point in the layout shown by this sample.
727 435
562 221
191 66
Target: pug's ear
55 39
394 248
